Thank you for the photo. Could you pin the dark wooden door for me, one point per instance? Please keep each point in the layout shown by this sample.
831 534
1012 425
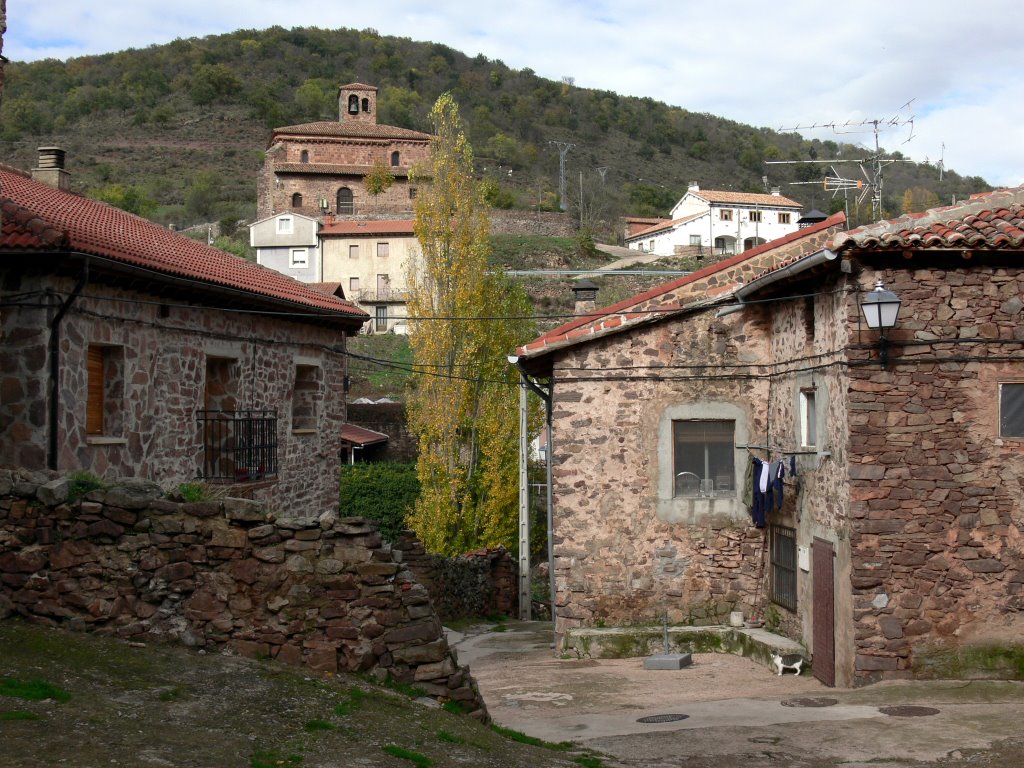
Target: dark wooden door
824 611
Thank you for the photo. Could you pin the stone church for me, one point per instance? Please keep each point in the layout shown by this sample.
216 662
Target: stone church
320 168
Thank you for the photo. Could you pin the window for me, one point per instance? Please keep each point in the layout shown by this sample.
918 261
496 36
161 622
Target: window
694 239
412 193
754 216
808 419
296 200
345 201
305 398
783 566
304 157
784 218
366 105
353 104
300 257
353 251
382 250
1011 410
353 286
380 316
703 457
104 415
284 225
725 214
650 246
395 157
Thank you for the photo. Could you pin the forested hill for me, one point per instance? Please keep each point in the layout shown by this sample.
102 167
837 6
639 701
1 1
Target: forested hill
176 132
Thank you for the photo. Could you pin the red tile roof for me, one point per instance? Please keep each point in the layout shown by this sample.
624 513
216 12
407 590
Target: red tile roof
349 129
358 86
746 198
336 170
665 225
369 227
350 433
45 218
617 315
991 220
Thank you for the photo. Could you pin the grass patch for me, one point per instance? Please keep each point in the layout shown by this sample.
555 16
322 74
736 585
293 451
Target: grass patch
319 725
421 761
454 707
269 758
81 483
353 702
172 694
18 714
522 738
450 738
31 690
588 761
412 691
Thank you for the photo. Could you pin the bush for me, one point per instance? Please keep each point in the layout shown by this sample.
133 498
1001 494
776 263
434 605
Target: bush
383 492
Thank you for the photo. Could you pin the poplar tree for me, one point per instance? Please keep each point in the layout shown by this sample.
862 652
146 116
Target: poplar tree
463 399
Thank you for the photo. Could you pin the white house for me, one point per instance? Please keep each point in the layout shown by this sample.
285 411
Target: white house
706 221
288 243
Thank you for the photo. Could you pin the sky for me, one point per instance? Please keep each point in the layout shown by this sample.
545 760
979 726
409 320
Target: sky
780 65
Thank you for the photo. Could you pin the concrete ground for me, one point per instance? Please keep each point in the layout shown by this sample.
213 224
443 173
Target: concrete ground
738 713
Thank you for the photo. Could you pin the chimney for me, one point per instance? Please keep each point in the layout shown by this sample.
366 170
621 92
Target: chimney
694 187
586 297
51 169
777 191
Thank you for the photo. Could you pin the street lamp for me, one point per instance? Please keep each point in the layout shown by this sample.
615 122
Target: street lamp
881 308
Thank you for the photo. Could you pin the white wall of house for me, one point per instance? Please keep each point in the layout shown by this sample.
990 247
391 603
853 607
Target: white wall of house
372 270
288 243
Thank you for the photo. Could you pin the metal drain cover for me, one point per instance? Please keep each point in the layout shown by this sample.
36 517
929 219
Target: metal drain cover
661 718
810 702
906 710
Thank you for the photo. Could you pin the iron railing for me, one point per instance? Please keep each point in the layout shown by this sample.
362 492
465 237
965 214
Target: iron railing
783 571
238 446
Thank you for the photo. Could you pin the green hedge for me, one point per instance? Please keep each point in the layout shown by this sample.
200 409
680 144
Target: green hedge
383 492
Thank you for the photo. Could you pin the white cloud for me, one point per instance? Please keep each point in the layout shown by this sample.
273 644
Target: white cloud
767 65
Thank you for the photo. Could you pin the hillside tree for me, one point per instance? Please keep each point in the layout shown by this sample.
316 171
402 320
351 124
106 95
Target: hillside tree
379 180
463 397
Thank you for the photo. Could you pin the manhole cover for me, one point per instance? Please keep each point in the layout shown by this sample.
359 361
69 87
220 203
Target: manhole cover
662 718
810 702
906 710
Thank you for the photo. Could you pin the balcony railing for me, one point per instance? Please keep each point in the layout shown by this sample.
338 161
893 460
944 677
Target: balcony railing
238 446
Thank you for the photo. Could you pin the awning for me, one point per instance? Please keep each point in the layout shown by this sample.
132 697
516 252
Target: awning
361 436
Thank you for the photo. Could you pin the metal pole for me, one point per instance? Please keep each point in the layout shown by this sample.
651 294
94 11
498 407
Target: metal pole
524 507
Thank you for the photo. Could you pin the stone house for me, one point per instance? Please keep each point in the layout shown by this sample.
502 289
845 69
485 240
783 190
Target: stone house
321 167
897 549
130 350
711 221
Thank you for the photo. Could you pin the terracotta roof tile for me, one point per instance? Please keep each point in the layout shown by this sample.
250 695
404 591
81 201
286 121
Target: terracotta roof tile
63 221
351 129
336 170
746 198
358 86
665 225
370 227
990 220
350 433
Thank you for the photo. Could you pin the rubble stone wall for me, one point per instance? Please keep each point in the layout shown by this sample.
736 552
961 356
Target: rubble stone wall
321 591
937 496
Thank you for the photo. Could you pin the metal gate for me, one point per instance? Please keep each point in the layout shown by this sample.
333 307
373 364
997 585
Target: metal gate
823 577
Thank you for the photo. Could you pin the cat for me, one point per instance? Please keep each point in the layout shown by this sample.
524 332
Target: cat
792 661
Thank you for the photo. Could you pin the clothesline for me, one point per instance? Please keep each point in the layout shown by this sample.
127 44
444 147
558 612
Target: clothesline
777 449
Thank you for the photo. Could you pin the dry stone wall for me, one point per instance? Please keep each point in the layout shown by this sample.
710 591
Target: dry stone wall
321 591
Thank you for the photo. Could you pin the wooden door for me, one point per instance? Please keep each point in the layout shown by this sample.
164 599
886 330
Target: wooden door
824 611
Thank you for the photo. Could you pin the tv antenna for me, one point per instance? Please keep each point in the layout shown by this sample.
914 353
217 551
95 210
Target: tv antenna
873 180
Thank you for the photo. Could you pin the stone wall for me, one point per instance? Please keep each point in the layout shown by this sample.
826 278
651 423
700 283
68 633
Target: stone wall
936 506
479 583
388 419
320 591
165 353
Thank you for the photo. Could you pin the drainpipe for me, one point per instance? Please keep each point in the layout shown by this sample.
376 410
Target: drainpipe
54 383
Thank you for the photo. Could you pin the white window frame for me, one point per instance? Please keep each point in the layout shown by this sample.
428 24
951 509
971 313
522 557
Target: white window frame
784 218
299 258
808 418
285 225
383 249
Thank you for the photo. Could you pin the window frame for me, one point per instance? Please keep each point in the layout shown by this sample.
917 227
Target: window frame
712 474
383 249
298 258
380 317
285 225
782 579
105 389
306 397
755 217
785 218
725 214
808 417
1002 433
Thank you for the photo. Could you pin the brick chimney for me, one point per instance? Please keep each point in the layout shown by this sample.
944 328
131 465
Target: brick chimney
586 296
694 187
51 169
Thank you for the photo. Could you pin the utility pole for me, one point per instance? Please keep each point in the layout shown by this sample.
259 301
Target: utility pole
563 150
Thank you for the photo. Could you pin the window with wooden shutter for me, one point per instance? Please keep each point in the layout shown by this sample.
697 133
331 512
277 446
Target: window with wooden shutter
94 408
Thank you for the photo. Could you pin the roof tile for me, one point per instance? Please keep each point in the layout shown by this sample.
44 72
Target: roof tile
352 129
